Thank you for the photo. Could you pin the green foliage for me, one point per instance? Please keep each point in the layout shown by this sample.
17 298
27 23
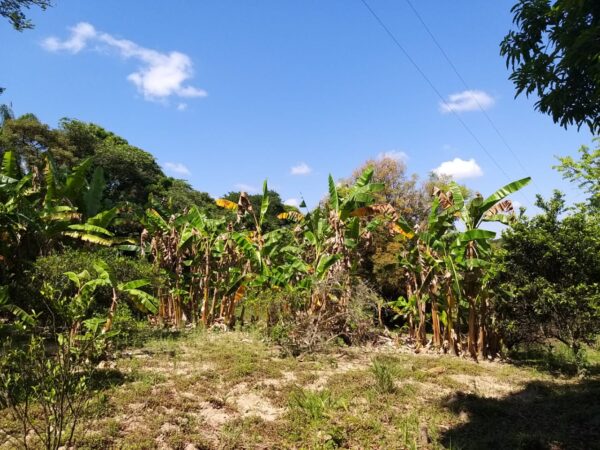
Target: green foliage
314 405
274 206
49 273
585 172
131 173
178 195
554 54
549 283
384 373
13 11
47 386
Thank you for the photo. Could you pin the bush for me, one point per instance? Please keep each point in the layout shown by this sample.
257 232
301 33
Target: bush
49 272
350 323
549 282
46 385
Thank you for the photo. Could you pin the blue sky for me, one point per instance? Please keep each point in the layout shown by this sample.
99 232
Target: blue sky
227 93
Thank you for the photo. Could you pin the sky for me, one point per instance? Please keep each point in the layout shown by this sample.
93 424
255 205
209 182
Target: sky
227 93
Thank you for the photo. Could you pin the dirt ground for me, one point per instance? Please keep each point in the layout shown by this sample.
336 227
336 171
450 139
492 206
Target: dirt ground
232 390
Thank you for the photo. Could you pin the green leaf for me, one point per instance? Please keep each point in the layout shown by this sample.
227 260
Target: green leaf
51 180
9 165
128 247
156 220
503 192
74 278
133 284
92 197
147 301
475 235
104 218
92 238
365 177
88 228
76 179
325 263
334 199
457 196
264 205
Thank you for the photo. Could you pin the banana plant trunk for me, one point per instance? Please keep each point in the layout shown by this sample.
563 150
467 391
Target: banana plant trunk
206 287
472 324
483 335
111 313
435 322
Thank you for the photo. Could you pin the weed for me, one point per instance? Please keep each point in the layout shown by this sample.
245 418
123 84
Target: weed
313 405
384 373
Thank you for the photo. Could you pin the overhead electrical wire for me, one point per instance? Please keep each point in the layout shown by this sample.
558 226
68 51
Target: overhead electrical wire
435 89
466 85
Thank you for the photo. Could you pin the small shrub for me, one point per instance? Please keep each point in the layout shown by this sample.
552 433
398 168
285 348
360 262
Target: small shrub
49 272
347 323
46 386
384 374
313 405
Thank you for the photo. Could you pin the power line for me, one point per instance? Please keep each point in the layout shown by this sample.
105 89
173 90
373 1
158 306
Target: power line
435 89
466 85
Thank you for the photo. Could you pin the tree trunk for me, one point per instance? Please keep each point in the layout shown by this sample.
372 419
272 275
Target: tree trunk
472 338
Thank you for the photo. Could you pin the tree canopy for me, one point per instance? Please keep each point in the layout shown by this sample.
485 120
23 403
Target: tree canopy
554 52
585 172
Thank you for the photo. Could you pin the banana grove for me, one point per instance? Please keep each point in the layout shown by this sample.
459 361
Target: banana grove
213 266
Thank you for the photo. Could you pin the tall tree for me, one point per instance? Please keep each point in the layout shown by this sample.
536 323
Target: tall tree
555 53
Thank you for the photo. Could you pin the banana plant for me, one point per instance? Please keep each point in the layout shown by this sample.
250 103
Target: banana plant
346 229
86 284
470 251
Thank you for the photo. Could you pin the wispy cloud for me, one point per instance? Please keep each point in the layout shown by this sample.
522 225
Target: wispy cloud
301 169
246 188
393 154
182 106
459 169
177 168
467 101
292 202
159 75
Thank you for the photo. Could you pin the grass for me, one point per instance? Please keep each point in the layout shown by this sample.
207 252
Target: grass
232 390
385 376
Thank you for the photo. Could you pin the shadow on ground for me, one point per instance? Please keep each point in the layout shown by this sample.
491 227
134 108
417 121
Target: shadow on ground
541 416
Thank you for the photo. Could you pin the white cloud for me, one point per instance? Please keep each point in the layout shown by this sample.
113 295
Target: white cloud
246 188
182 106
459 168
467 101
393 154
177 168
80 34
301 169
159 76
292 202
